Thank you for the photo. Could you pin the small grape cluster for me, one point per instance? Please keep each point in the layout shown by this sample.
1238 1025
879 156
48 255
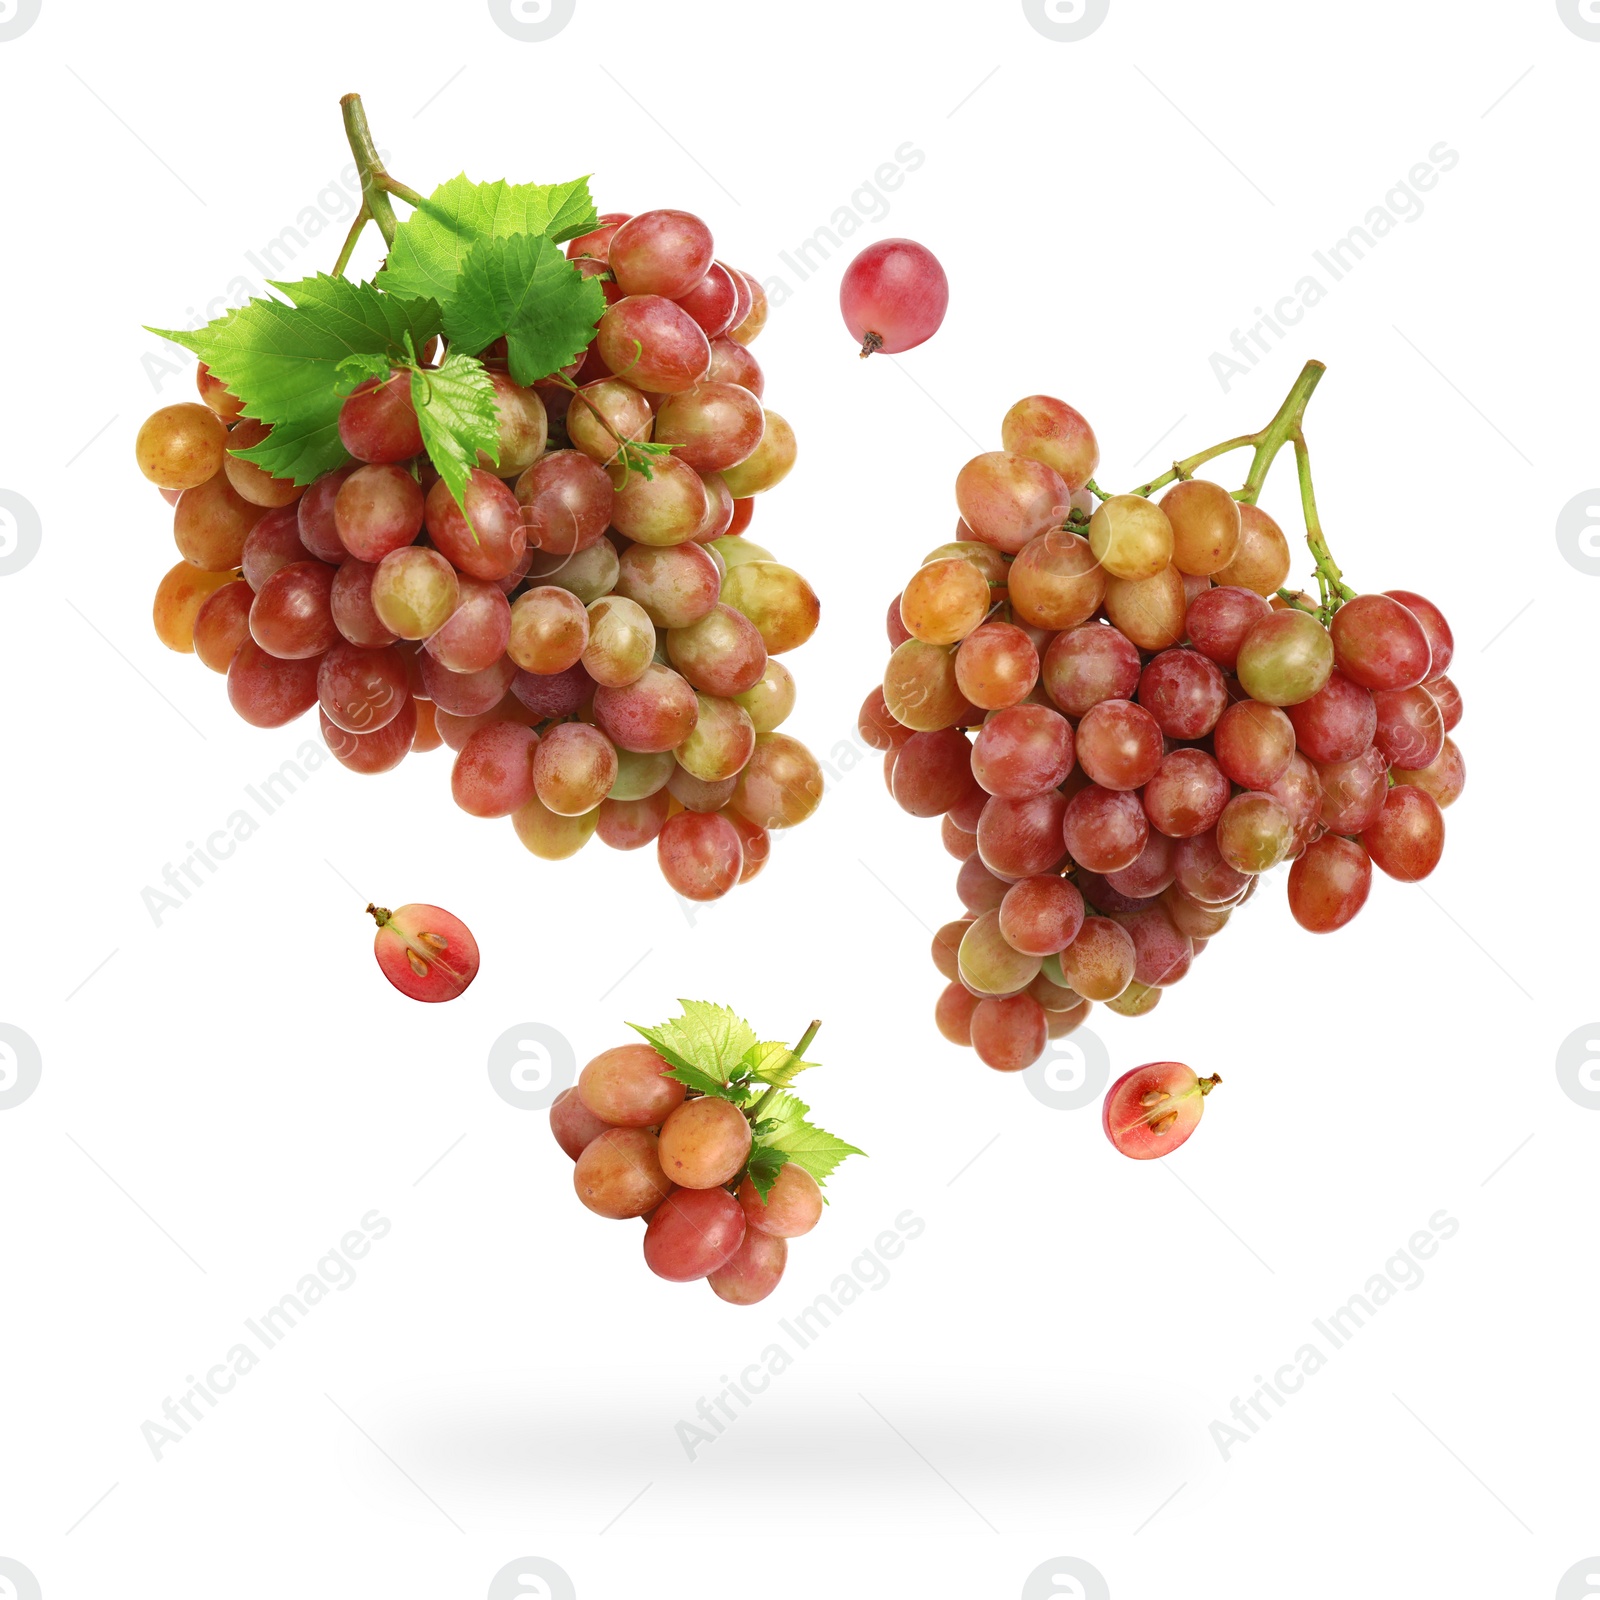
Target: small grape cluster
717 1160
587 627
1125 721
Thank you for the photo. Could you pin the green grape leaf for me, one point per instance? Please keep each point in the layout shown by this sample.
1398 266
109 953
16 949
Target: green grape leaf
764 1166
458 417
431 246
354 371
797 1140
704 1047
282 358
524 288
773 1062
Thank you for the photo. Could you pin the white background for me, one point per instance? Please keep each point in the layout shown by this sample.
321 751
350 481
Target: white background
226 1094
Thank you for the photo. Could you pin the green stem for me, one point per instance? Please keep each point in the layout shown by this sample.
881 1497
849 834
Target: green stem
1277 433
376 184
754 1113
1183 470
375 194
363 217
1328 572
1286 428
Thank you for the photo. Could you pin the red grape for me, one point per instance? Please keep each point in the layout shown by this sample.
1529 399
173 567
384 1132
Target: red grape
1329 884
1150 1111
1379 644
1088 664
1186 794
893 296
1184 692
1406 838
378 421
1020 751
660 253
424 952
493 772
1104 829
693 1233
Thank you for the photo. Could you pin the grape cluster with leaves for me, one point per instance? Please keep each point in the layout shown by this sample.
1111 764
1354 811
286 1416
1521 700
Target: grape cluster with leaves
496 499
696 1131
1125 721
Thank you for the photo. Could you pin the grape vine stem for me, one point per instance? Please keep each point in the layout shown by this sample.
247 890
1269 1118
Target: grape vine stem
376 184
1286 428
799 1050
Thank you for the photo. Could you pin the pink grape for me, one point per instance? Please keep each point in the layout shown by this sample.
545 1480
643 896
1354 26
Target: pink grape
361 690
1253 742
378 421
319 533
1119 744
934 772
752 1272
1104 829
1021 838
425 952
628 1087
1380 644
1184 692
711 426
573 769
1337 722
632 824
1186 794
268 691
1352 791
372 753
693 1233
1285 658
493 771
1021 750
1050 431
713 301
1329 884
1009 1034
378 509
1219 619
1041 916
292 616
566 500
485 537
1441 642
1149 1112
661 252
477 631
1410 727
1406 838
1088 664
273 542
1009 499
893 296
653 344
657 712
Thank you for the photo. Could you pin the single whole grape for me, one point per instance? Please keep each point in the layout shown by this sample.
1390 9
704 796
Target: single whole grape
893 296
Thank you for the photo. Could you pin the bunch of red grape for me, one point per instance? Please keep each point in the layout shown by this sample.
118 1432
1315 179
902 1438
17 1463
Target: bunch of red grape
589 630
1125 722
644 1146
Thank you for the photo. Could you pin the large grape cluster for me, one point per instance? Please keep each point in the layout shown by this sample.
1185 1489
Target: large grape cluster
1125 722
588 629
